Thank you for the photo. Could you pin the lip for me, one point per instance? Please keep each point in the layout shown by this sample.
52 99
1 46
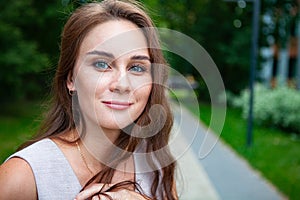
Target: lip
117 105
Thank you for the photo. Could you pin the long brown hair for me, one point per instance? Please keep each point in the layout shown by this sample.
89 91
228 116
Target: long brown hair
60 118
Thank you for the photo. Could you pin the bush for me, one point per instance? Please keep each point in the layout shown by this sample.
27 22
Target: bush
278 107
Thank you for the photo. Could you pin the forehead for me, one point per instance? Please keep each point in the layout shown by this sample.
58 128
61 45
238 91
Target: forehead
118 37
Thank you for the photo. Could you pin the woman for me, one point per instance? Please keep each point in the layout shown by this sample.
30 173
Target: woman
110 79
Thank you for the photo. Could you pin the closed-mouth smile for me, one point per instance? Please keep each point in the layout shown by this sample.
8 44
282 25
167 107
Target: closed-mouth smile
117 105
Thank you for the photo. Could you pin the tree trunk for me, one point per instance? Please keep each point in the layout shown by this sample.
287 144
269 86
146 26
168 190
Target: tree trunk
283 64
267 67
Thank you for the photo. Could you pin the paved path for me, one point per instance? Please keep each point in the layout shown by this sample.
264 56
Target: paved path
193 182
222 174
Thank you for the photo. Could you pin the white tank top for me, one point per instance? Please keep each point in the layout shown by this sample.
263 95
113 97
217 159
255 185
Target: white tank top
54 176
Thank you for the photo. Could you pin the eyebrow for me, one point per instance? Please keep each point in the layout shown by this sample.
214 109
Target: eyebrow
140 57
110 55
101 53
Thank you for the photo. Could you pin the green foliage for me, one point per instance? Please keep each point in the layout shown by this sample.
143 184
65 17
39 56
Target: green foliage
72 4
29 31
210 23
20 59
279 107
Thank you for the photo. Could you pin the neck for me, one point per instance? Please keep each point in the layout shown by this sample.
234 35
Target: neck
99 143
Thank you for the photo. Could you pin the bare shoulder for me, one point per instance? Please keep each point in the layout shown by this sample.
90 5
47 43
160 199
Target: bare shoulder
17 180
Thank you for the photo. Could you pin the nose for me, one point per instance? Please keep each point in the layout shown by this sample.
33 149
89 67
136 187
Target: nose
120 83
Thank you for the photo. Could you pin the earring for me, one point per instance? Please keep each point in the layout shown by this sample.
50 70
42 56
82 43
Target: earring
72 92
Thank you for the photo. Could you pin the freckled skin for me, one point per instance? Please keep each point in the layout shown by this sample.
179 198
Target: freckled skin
121 80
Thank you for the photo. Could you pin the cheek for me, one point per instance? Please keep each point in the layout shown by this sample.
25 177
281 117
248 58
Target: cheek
142 87
142 94
91 85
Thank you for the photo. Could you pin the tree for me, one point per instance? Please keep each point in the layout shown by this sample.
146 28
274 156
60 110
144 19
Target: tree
278 37
19 57
226 30
29 33
211 24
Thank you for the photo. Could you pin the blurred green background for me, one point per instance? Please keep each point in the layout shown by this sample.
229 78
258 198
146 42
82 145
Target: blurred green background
29 45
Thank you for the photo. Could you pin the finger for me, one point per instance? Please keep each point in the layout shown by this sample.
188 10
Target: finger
96 198
125 194
89 192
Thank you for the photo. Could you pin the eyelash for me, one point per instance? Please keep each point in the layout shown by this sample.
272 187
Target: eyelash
102 62
141 68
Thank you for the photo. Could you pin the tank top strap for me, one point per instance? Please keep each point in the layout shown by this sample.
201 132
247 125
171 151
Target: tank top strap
54 177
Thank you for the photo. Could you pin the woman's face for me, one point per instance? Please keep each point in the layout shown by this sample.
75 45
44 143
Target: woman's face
112 75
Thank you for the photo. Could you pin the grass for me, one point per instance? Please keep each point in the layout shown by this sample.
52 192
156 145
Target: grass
274 153
18 122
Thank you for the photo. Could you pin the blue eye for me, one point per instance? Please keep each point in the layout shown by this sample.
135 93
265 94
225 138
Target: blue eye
137 68
101 65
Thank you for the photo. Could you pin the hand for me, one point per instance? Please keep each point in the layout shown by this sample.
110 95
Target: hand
121 194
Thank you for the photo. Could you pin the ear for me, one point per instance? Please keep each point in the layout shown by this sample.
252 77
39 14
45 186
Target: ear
70 82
